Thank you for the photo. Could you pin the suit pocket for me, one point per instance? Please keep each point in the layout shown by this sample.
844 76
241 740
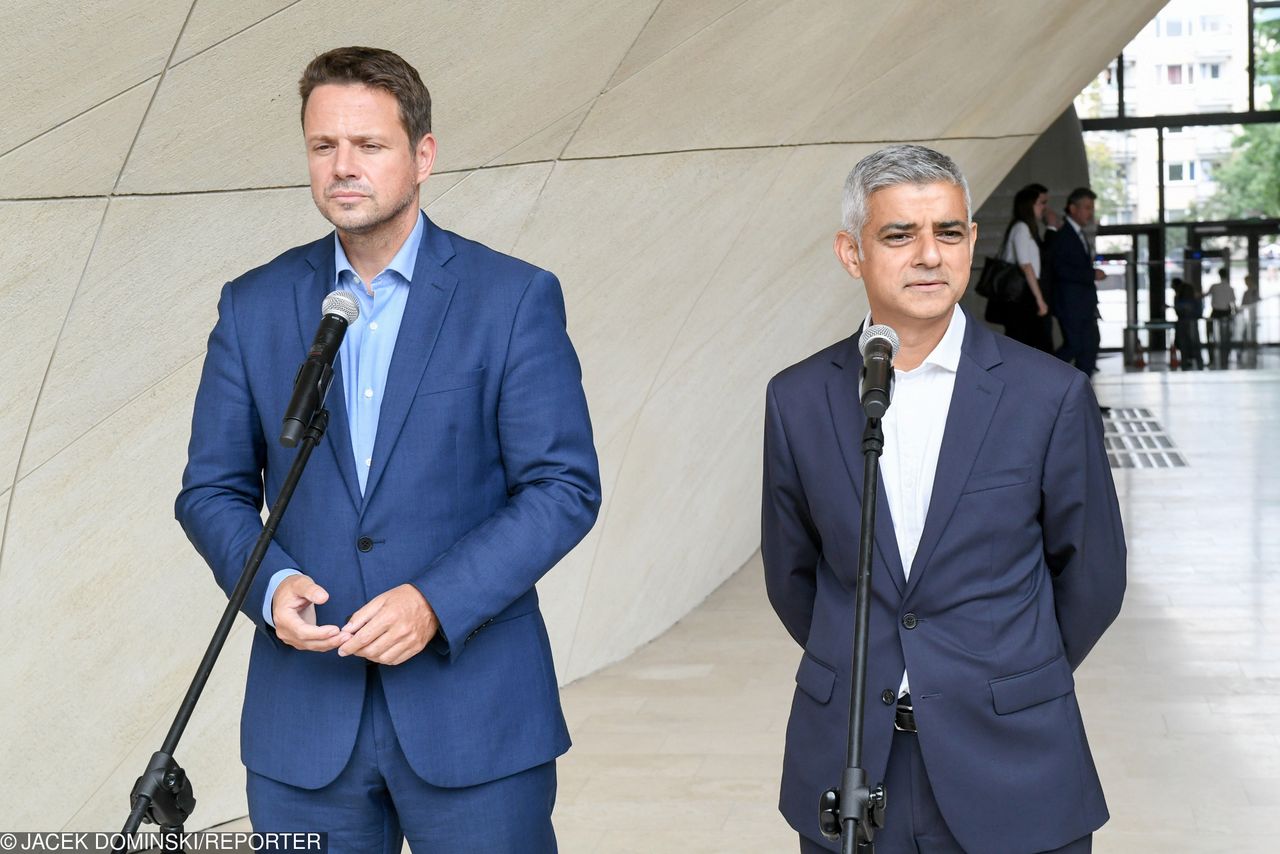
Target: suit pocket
436 382
985 480
1024 690
815 678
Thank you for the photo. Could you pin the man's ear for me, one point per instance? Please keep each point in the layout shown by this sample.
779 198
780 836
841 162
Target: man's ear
425 156
846 250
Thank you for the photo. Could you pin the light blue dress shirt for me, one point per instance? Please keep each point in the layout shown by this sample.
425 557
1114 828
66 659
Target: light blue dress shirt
365 355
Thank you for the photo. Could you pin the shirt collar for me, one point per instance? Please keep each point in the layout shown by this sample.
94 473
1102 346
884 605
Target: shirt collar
1075 225
403 263
947 353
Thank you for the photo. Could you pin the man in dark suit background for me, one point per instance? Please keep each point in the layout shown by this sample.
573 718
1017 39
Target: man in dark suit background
1075 288
999 560
401 681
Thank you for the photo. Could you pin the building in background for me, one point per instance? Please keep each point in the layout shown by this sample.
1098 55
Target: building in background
1184 152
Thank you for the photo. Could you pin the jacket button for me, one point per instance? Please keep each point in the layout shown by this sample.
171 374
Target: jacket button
909 620
364 544
888 696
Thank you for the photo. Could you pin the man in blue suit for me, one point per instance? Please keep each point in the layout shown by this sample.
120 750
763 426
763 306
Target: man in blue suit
401 681
1075 288
999 555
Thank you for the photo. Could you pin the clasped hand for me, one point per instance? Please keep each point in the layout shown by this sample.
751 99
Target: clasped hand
392 628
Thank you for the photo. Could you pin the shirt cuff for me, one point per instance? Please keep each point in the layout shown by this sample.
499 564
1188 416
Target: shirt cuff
271 592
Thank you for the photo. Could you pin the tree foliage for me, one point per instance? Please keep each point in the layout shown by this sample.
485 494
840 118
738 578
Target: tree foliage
1105 178
1249 179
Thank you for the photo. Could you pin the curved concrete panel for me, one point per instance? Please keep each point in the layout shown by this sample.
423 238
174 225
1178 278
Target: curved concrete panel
60 59
43 249
81 156
678 164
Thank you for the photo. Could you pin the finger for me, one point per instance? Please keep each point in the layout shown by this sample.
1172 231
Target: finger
329 644
294 625
320 645
315 593
361 639
362 617
377 650
398 654
308 632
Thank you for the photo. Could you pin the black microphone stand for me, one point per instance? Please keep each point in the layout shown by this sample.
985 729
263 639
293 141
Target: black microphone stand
163 794
853 812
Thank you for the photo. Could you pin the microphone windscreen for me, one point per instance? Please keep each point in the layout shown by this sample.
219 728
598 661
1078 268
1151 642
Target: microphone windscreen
870 333
344 305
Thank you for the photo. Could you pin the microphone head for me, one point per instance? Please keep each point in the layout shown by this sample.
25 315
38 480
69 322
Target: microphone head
343 304
881 331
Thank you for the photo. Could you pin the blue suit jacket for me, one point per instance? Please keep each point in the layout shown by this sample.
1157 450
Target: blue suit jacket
1075 291
1021 566
484 476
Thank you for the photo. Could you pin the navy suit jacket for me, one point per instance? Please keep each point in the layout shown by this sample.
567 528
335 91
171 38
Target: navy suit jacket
1020 569
484 476
1070 268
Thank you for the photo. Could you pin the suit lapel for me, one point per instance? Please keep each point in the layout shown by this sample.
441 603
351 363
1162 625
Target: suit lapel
973 403
430 294
849 421
309 296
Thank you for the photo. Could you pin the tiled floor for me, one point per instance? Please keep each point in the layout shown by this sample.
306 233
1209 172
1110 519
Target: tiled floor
677 749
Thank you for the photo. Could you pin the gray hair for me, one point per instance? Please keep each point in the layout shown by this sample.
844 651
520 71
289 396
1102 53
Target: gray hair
891 167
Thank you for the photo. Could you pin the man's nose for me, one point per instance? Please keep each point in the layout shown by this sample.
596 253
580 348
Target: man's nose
928 253
344 162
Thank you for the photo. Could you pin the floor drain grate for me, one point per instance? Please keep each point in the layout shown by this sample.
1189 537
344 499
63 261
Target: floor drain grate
1135 440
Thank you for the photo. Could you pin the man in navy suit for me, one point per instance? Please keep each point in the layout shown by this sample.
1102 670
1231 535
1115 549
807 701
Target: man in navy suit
401 681
999 556
1075 289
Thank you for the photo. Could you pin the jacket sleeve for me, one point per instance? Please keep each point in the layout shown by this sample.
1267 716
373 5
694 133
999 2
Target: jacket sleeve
1083 535
221 501
789 541
553 479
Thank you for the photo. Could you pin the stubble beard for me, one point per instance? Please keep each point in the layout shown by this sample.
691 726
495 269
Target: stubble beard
372 221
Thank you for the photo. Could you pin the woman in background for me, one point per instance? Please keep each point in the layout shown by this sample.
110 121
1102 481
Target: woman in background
1026 318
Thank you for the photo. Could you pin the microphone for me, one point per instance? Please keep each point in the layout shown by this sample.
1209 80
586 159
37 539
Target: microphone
310 386
878 345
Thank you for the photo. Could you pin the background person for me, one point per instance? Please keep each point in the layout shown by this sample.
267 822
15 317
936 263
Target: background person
1188 306
1248 315
1075 284
1027 319
1222 309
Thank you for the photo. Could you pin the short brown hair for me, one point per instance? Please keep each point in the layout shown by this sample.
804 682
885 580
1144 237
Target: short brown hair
379 69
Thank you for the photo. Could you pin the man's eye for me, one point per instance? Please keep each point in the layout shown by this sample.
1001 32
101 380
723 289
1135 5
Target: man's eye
897 238
951 235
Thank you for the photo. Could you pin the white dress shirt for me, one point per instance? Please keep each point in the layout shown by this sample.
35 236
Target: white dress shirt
913 429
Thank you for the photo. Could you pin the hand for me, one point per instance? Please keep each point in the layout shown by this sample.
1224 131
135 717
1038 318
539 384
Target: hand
393 628
1051 217
1041 309
1098 275
293 609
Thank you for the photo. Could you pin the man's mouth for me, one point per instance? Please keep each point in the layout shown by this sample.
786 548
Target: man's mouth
931 285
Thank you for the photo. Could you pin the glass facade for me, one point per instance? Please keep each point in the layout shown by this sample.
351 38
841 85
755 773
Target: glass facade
1182 133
